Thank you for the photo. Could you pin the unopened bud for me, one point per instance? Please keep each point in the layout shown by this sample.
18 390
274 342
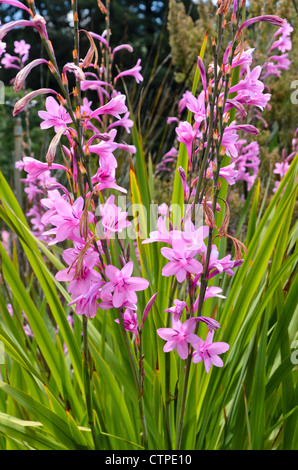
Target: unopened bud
78 113
82 168
75 54
122 261
52 67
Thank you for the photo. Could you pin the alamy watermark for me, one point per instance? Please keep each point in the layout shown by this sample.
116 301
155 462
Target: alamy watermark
294 94
143 221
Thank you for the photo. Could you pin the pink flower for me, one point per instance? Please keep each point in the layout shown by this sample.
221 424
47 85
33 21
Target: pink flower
107 302
250 89
284 43
208 351
105 150
179 336
130 319
124 122
211 291
264 18
229 173
55 115
160 235
134 72
16 3
8 62
23 102
179 306
115 107
86 304
217 266
67 220
105 178
186 134
22 48
196 106
112 218
181 261
24 72
35 168
81 282
184 182
122 285
163 209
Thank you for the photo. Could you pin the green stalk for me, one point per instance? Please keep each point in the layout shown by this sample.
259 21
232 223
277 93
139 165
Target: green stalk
168 373
199 197
137 381
87 382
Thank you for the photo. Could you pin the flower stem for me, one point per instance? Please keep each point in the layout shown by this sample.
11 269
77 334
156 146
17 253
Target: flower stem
183 402
138 383
87 382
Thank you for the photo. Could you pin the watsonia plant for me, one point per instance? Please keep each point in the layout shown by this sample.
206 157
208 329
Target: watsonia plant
162 339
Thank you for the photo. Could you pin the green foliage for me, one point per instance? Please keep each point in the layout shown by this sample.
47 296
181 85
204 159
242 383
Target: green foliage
43 406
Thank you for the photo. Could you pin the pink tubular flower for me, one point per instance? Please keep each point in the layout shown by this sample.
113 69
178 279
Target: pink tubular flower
211 291
107 302
184 182
23 74
115 107
134 72
160 235
217 266
130 320
16 3
79 282
35 168
179 306
179 336
250 89
22 48
105 178
67 220
105 150
86 304
122 285
196 106
284 42
276 20
112 218
8 62
181 261
186 134
208 351
229 173
55 115
6 28
23 102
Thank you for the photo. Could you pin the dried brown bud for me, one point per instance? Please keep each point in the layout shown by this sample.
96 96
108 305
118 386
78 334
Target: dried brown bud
224 6
222 232
82 168
102 7
209 215
84 222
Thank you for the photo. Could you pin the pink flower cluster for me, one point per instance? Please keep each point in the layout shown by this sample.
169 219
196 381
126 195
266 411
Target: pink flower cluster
63 216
